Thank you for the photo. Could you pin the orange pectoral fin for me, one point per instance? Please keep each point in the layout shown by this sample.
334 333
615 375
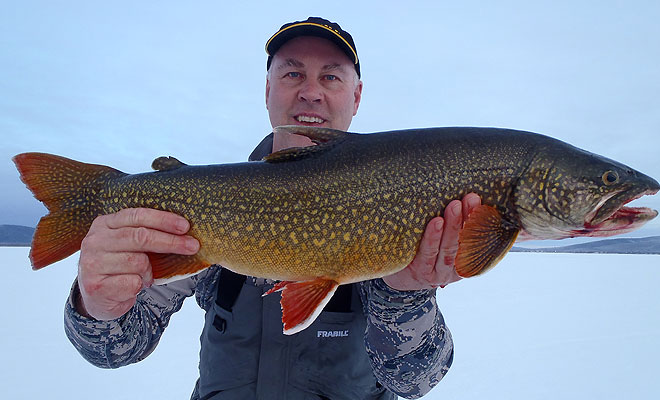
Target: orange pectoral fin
172 267
302 302
484 240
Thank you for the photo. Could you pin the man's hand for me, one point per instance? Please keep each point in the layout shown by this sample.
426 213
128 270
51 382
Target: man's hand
433 265
114 266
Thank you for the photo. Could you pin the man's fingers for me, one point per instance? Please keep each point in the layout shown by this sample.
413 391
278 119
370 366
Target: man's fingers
470 202
146 217
118 263
114 266
428 246
155 241
453 223
129 239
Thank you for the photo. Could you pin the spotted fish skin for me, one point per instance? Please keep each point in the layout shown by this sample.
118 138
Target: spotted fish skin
353 207
353 211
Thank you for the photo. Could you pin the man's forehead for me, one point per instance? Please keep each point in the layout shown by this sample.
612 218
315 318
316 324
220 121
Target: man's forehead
281 63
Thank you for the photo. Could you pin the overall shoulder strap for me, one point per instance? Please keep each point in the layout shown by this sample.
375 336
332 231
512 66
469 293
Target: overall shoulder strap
341 300
229 287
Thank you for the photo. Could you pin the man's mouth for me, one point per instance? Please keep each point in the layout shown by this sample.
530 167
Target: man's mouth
309 119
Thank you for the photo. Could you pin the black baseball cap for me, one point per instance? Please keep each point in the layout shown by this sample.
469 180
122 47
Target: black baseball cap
313 26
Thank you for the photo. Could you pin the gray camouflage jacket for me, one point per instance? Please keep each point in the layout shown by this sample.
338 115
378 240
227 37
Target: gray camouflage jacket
408 344
410 347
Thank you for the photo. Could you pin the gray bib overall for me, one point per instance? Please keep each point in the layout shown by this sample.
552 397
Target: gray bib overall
244 354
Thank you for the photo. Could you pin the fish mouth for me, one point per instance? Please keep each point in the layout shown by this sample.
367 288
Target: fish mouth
611 217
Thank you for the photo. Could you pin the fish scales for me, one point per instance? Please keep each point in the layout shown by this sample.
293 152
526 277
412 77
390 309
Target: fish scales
352 208
353 212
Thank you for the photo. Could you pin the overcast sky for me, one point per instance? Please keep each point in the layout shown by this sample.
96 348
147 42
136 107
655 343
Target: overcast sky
120 83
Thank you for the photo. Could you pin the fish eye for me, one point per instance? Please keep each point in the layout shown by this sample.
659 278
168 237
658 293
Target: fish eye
610 177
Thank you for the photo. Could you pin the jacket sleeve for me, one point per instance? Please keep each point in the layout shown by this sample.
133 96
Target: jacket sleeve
131 337
408 343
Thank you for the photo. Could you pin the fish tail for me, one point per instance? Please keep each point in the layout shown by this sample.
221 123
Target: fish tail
70 191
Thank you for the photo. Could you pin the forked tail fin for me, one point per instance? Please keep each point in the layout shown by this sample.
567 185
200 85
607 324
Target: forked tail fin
70 191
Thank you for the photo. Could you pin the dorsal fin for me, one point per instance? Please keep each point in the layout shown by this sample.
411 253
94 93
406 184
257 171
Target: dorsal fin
324 138
293 153
317 135
166 164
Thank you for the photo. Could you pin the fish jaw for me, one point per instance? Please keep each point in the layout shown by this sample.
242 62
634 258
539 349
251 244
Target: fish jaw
606 219
616 220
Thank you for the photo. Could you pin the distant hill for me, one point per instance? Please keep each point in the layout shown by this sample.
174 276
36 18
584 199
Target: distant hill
15 235
647 245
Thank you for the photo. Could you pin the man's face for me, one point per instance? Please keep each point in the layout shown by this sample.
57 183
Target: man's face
312 82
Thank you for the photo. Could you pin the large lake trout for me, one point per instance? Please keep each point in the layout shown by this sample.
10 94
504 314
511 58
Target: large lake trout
351 208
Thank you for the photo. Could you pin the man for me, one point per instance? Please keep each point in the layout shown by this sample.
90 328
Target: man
374 338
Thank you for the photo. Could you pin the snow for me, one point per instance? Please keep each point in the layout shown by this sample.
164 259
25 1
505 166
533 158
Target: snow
538 326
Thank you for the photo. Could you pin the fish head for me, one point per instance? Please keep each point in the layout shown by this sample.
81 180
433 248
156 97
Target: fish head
570 192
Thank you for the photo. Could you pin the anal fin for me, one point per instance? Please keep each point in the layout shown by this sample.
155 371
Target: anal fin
485 239
302 302
172 267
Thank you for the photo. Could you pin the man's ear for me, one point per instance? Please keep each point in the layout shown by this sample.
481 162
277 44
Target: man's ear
357 95
267 90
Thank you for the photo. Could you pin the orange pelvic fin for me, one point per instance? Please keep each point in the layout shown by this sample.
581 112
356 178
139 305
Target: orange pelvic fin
278 287
302 302
484 240
172 267
69 190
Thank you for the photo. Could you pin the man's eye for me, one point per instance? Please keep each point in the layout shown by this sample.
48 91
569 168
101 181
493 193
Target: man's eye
293 75
331 78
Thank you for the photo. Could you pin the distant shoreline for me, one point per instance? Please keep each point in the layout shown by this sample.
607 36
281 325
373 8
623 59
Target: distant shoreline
21 236
564 251
16 235
513 250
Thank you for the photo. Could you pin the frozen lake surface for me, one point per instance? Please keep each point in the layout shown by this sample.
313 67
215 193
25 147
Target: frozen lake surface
538 326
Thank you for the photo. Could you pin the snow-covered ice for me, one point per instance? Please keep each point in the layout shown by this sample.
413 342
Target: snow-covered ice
538 326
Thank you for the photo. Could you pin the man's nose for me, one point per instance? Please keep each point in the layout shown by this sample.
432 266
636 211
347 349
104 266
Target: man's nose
311 92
